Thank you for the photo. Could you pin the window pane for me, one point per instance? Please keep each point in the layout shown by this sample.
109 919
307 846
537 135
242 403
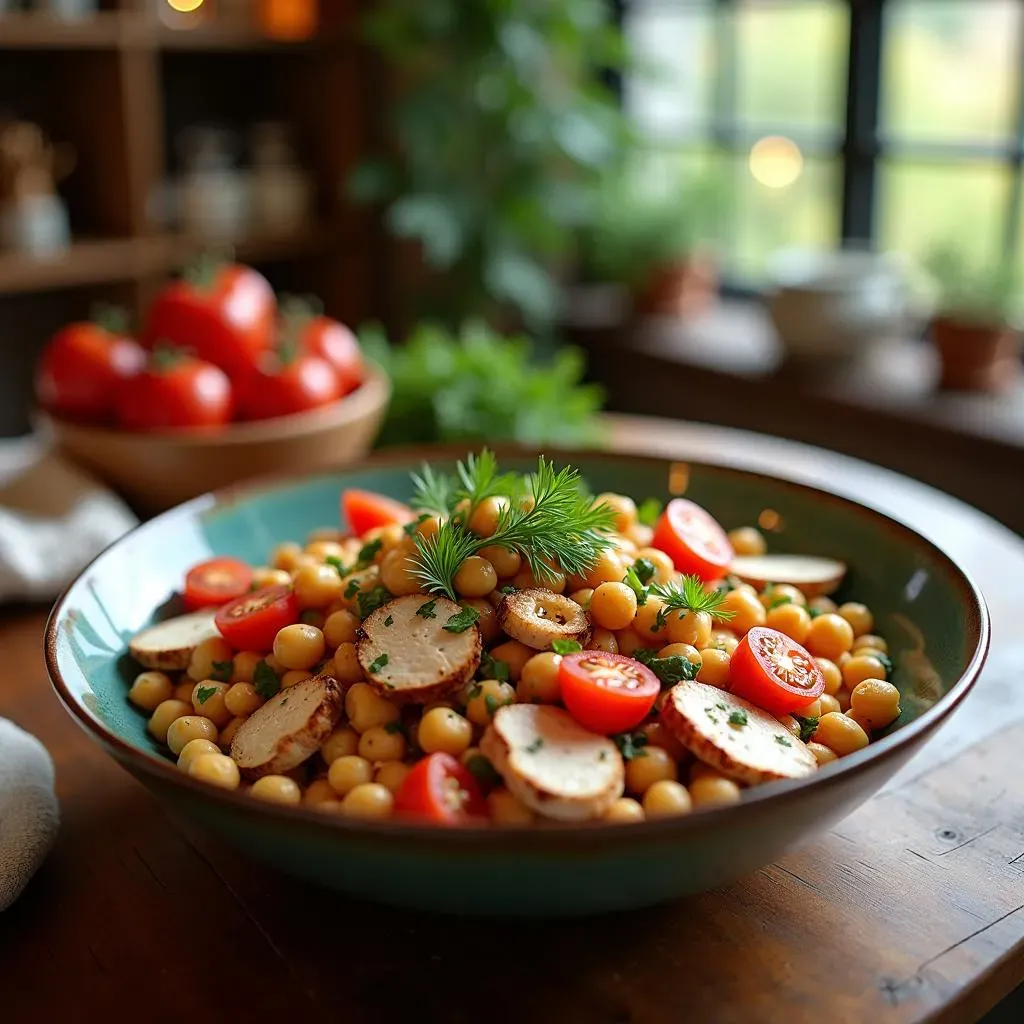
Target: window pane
950 69
671 91
791 63
923 208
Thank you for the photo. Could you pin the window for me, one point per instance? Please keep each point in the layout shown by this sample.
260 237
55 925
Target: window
898 122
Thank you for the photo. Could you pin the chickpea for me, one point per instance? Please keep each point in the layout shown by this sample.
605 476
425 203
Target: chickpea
822 754
347 669
445 731
274 665
215 769
428 526
666 798
828 703
312 617
538 683
643 771
317 586
607 569
640 535
777 593
488 696
391 774
629 642
613 605
651 622
813 710
821 605
603 640
340 627
276 789
844 698
700 770
870 641
343 742
487 622
475 577
382 743
208 656
861 667
714 791
686 651
239 699
843 659
345 773
583 596
830 636
398 573
299 646
243 668
791 619
860 720
286 556
318 791
505 809
747 611
747 540
515 655
554 581
693 628
484 520
150 690
840 733
876 702
858 616
164 714
227 734
625 547
391 537
368 800
506 561
833 676
623 509
664 569
366 708
324 544
724 640
624 811
207 699
266 577
294 676
714 668
189 727
193 749
658 736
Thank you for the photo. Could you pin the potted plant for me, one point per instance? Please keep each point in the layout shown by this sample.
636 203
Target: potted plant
976 330
658 246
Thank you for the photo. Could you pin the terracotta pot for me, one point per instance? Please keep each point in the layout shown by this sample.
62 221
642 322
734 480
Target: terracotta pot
976 356
685 288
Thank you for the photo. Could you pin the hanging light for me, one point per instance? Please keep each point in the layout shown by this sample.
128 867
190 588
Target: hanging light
776 162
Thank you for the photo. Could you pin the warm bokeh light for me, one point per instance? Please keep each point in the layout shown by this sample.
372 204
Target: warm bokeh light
776 162
185 6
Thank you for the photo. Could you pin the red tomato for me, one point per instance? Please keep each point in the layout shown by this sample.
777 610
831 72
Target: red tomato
364 510
223 312
81 370
607 693
774 672
173 391
251 622
335 343
211 584
284 387
693 540
442 790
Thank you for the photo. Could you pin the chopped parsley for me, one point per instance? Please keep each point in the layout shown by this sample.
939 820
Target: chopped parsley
661 619
378 663
204 693
778 602
222 671
645 570
474 691
782 741
389 621
535 745
370 600
368 552
738 718
352 589
426 610
461 621
603 755
807 726
814 612
710 712
884 659
264 680
508 589
482 770
393 727
411 529
339 565
565 646
631 744
671 670
492 668
491 704
648 511
633 581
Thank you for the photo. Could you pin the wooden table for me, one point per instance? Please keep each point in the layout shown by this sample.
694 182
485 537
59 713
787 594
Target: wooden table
911 910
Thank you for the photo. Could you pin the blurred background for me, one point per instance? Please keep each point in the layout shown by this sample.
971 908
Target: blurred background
798 217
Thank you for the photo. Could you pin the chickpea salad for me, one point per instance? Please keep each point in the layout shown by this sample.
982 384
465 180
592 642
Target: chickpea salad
507 648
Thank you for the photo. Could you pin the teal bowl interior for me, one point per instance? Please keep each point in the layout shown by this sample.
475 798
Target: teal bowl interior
930 613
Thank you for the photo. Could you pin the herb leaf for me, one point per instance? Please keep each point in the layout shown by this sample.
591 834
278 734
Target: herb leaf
264 680
368 552
378 663
204 693
492 668
648 511
482 770
426 610
738 718
671 670
645 570
690 595
535 745
352 588
389 621
370 600
884 659
631 744
222 671
807 727
461 621
394 728
783 741
566 646
491 704
433 492
339 565
633 581
778 602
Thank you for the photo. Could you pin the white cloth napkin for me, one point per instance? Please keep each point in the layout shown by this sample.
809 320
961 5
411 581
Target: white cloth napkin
28 809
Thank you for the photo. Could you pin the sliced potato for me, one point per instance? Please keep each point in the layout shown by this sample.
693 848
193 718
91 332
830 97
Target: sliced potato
408 655
552 764
811 575
168 645
732 735
537 617
289 728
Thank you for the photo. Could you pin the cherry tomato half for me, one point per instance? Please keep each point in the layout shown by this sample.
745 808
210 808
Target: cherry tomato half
442 790
774 672
251 623
607 693
364 510
175 391
213 583
282 387
693 540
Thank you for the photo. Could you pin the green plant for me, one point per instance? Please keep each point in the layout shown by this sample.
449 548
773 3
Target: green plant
501 129
478 385
975 293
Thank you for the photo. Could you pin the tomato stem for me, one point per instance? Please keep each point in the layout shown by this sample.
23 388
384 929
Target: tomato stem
202 272
166 356
113 319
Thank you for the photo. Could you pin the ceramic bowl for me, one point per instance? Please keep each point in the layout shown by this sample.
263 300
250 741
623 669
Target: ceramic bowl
931 613
155 471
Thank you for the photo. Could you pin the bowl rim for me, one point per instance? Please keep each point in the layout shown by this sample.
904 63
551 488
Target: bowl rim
371 395
541 835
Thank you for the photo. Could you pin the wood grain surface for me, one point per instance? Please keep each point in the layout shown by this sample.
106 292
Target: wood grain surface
910 910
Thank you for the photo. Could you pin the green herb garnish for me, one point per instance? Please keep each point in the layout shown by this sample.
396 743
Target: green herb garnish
222 671
492 668
461 621
814 612
782 741
339 565
671 670
535 745
393 727
426 610
690 595
645 570
368 552
264 680
883 659
482 770
491 704
633 581
378 663
807 726
389 621
660 620
352 589
474 691
410 528
204 693
508 589
631 744
370 600
738 718
648 511
778 602
566 646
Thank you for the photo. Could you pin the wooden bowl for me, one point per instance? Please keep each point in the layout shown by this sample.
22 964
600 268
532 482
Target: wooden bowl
156 471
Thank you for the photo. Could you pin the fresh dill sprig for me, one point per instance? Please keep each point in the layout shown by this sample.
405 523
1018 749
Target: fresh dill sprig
434 492
690 595
558 525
